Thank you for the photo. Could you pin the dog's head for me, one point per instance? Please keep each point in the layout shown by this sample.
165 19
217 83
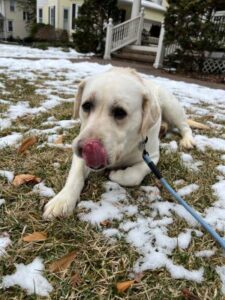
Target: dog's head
116 109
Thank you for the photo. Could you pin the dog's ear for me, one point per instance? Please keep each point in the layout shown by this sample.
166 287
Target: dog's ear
77 101
150 112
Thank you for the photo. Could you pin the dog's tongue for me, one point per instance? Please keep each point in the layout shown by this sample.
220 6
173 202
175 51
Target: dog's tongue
94 154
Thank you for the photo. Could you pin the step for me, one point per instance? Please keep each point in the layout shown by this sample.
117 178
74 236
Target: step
141 49
150 58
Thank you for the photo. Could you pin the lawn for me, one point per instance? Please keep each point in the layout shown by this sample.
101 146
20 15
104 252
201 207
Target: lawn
117 234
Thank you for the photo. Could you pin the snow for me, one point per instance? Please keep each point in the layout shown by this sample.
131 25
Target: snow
4 243
221 272
188 189
7 174
144 222
22 51
43 190
29 277
189 162
10 140
203 142
221 169
2 201
205 253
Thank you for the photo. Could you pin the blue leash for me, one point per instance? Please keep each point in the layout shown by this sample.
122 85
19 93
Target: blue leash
194 214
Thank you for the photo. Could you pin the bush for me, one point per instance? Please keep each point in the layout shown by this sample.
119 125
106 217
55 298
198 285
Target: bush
90 28
189 25
46 33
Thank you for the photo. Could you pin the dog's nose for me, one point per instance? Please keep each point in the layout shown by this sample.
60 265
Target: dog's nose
94 153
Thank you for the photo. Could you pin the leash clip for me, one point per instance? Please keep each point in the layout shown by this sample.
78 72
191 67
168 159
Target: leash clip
142 144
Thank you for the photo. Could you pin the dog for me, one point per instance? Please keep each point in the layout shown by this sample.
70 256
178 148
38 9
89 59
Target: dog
118 110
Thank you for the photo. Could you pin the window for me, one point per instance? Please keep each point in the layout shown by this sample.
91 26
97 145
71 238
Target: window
51 15
40 15
12 5
10 26
75 13
66 19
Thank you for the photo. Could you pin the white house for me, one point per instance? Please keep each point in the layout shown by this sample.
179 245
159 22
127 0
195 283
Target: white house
12 20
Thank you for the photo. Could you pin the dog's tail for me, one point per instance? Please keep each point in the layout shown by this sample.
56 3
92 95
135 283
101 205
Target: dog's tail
197 125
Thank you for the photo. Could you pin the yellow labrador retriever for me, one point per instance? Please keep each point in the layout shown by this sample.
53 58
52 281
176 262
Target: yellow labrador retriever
118 109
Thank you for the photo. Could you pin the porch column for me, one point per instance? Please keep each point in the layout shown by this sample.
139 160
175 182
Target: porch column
135 8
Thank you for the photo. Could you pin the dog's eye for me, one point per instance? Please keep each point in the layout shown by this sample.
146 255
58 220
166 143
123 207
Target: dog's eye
119 113
87 106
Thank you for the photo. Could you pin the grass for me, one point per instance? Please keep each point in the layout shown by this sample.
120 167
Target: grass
100 264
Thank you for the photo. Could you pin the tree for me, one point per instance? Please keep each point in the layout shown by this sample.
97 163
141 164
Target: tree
190 25
29 8
90 29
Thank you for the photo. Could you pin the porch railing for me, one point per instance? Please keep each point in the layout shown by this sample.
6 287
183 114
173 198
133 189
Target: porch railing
123 34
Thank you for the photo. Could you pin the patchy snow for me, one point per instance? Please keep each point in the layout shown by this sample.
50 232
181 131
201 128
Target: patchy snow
170 147
10 140
147 233
221 169
29 277
43 190
145 222
188 189
184 239
203 142
205 253
4 243
28 52
221 272
7 174
189 162
2 201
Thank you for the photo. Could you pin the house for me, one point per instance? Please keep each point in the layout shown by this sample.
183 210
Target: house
61 13
12 20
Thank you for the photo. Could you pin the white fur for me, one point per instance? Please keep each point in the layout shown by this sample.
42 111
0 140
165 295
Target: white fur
144 102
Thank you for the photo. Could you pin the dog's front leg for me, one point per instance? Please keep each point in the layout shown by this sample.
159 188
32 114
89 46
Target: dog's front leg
65 201
130 176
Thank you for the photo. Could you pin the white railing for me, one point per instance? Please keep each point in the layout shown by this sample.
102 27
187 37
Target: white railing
123 34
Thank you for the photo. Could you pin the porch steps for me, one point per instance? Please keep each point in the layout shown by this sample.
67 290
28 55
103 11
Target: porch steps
137 53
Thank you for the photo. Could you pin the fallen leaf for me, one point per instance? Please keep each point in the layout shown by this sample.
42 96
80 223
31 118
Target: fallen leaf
27 143
35 237
75 280
25 179
105 223
123 286
189 295
59 140
63 263
197 125
138 277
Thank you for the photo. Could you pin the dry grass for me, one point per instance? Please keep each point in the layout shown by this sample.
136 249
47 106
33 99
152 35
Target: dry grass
99 264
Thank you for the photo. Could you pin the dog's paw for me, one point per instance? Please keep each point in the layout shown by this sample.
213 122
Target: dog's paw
187 142
60 206
126 177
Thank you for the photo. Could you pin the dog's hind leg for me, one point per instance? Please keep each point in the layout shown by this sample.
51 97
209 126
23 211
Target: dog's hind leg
174 114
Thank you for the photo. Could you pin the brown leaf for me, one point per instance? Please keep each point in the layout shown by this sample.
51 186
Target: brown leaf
123 286
63 263
105 223
35 237
27 143
189 295
138 277
25 179
75 280
197 125
59 140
